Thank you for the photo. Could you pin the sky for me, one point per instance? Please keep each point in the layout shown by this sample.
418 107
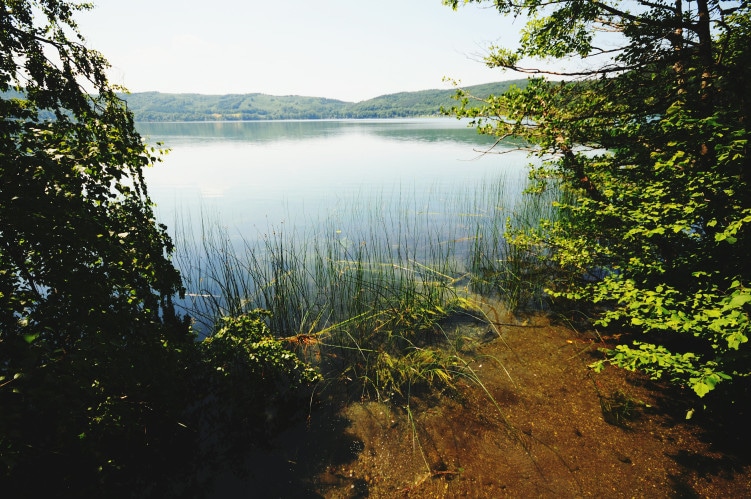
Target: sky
351 50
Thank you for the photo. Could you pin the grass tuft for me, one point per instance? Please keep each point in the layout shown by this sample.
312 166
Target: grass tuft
362 292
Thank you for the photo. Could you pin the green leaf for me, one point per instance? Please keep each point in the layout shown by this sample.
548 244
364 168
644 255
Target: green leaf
738 299
30 338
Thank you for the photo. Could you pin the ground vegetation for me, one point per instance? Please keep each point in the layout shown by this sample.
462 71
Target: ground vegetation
104 390
646 130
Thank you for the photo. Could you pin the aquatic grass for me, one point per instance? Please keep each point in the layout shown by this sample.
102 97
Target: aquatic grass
517 274
361 290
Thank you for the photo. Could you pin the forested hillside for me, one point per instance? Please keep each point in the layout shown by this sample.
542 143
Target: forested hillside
156 106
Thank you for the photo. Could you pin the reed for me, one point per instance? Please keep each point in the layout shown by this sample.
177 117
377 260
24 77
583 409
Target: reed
362 291
516 274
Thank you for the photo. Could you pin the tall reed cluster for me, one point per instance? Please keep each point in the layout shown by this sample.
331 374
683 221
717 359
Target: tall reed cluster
362 290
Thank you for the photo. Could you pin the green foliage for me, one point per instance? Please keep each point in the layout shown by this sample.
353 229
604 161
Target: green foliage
651 148
416 368
244 348
103 388
102 385
86 320
367 301
252 384
155 106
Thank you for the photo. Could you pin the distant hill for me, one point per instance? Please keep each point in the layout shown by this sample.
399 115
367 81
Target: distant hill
156 106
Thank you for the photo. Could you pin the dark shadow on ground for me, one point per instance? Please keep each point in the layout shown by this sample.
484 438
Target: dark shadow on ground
293 462
530 422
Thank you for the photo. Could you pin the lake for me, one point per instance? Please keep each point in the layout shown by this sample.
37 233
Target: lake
417 184
253 175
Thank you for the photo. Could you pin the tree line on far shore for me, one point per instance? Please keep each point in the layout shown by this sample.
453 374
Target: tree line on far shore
157 106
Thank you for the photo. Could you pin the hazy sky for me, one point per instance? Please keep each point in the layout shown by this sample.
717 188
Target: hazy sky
345 49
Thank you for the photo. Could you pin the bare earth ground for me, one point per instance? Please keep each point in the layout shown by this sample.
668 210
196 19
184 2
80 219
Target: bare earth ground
537 429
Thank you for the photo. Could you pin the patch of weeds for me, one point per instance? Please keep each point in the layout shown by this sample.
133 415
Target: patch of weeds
619 408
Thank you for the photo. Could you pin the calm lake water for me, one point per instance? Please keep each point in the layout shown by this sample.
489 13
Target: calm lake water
290 198
253 176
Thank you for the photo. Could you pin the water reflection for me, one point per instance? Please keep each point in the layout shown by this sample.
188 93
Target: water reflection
408 190
254 175
423 130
